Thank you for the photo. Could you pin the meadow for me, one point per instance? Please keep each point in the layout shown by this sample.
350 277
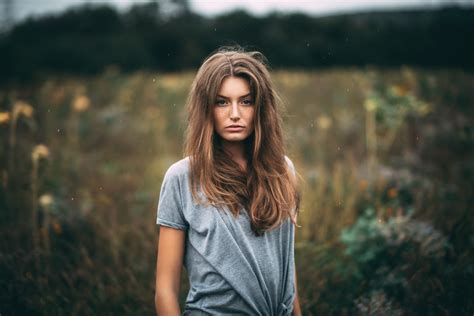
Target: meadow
385 162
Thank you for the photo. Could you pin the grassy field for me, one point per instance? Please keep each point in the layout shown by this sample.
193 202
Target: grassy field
385 159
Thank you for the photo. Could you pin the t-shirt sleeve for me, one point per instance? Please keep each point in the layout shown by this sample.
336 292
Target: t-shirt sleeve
170 206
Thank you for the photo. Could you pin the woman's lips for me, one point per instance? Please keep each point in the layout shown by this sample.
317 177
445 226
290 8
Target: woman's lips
234 128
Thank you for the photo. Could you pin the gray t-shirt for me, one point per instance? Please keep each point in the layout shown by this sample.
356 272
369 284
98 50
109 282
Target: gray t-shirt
230 270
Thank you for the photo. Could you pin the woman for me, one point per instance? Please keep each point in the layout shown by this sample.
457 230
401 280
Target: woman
227 210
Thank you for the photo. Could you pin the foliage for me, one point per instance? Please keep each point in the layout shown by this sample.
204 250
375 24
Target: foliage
87 39
392 256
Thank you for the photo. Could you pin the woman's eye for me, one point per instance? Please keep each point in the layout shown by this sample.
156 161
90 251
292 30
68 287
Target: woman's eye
220 102
247 102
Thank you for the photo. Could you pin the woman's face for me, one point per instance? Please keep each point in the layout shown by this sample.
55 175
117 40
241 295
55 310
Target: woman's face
234 110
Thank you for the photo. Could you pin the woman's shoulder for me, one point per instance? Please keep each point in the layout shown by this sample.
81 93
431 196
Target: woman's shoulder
178 168
181 167
290 164
289 161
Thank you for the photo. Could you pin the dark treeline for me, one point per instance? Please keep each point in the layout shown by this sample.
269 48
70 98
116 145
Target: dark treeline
86 39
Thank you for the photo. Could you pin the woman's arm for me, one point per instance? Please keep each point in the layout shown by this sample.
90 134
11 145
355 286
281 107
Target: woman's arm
168 270
296 303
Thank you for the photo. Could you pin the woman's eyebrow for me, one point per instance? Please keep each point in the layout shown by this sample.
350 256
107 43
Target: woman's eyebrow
221 96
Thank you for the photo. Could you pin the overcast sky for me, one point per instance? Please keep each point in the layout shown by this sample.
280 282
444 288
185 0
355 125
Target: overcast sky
23 8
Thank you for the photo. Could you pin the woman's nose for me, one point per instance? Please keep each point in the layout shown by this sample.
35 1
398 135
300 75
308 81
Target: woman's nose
235 115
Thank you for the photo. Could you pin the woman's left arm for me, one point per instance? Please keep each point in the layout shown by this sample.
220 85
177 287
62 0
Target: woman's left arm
296 302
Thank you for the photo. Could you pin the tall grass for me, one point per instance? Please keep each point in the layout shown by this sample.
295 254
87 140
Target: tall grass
82 161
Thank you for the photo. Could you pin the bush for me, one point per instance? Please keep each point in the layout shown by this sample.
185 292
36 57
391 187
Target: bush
403 262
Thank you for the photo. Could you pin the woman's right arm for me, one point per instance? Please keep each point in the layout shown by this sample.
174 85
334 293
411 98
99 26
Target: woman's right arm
168 270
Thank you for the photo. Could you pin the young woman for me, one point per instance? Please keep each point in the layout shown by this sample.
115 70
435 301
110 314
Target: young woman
227 211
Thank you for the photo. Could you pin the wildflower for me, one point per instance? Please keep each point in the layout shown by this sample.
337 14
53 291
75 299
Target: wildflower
40 151
392 193
81 103
22 108
324 122
370 105
4 117
46 200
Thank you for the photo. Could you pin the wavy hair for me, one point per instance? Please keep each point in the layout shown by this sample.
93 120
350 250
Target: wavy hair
268 189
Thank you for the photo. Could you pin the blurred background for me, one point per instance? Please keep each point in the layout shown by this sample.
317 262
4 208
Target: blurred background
378 113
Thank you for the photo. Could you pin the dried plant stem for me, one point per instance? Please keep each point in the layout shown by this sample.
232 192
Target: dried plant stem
34 212
371 140
394 132
46 238
11 152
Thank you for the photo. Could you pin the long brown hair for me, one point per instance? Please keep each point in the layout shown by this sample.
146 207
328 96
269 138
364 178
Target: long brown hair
268 190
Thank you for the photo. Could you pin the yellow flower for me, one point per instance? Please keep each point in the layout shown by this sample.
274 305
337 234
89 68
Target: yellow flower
370 105
81 103
40 151
22 108
324 122
46 200
4 117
